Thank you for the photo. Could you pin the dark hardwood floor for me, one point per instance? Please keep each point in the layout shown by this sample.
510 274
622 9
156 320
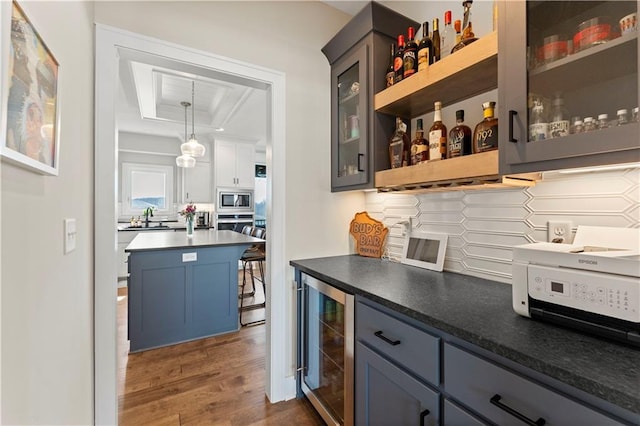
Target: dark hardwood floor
214 381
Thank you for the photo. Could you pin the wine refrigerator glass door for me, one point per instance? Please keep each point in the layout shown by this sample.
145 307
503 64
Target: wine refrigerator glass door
327 351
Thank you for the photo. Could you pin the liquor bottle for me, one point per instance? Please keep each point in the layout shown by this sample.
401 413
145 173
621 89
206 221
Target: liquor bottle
468 36
458 27
425 49
539 127
391 73
419 146
398 65
410 55
459 138
437 135
448 36
559 125
485 135
435 39
399 146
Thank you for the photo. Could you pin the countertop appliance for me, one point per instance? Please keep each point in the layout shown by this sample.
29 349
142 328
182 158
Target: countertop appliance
202 219
327 345
592 285
234 200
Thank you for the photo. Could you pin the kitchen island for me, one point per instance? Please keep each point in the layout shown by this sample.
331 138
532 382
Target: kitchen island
182 288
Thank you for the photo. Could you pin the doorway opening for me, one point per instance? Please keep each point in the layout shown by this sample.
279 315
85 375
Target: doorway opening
110 44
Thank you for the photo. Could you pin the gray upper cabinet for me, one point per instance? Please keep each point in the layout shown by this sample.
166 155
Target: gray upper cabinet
595 73
359 56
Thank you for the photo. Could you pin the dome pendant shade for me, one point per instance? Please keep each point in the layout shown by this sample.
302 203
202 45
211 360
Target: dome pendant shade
185 161
193 147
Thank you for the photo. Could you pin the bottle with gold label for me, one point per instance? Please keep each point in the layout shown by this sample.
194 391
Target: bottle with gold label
485 135
419 146
437 135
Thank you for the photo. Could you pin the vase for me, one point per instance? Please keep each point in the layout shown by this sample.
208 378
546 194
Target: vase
189 227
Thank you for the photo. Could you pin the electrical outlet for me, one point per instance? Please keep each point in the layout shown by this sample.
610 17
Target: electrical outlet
559 231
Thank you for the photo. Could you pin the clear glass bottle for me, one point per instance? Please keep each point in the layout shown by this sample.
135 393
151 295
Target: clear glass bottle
437 135
539 126
399 146
634 115
419 146
623 117
578 126
603 121
448 36
460 137
485 135
589 124
559 125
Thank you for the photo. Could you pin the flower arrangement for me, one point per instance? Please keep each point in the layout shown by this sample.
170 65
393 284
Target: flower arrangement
189 211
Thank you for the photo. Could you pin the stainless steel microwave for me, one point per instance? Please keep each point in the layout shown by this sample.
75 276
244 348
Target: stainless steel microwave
233 200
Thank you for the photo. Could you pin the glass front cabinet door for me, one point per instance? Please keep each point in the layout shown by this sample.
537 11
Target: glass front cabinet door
568 84
349 152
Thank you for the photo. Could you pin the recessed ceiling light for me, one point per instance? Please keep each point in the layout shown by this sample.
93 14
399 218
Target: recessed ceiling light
219 129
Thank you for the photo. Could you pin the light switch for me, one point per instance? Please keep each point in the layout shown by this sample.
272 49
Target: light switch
69 235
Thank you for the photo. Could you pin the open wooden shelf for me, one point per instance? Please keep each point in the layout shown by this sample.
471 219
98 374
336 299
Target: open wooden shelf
477 171
465 73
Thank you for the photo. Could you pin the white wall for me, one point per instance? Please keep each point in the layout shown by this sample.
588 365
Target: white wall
47 297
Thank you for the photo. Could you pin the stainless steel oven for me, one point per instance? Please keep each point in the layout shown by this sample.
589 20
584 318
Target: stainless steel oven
327 339
233 221
234 200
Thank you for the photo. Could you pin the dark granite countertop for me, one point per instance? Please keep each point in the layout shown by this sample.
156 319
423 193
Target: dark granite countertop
149 241
479 311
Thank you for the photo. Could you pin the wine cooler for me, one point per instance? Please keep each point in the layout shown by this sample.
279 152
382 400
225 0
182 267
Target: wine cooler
326 371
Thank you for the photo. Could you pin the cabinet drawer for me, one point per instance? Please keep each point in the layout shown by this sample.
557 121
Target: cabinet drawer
410 347
476 382
386 395
456 416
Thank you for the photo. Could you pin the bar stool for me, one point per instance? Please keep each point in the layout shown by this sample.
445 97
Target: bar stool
254 254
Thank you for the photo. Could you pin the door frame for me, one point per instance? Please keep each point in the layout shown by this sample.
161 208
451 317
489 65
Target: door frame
280 382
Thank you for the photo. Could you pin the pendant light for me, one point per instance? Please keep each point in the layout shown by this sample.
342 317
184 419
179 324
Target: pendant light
185 160
192 148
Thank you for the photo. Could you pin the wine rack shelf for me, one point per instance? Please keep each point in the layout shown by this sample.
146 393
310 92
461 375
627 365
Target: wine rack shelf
465 73
477 171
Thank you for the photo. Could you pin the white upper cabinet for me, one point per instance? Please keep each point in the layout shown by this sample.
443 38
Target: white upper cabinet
197 183
234 164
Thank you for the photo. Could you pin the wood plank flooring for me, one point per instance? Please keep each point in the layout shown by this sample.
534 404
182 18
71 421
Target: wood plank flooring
214 381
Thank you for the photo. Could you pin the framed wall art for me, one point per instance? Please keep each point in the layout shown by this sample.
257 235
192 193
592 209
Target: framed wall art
30 120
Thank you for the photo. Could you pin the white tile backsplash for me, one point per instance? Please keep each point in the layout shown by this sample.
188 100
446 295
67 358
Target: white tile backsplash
483 226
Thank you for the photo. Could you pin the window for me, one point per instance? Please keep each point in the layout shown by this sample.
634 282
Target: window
146 185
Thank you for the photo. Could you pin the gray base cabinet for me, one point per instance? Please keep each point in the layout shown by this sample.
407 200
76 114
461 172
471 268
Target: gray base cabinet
405 372
173 299
387 395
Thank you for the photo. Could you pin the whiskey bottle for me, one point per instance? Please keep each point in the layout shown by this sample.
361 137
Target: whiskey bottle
459 138
409 56
468 36
458 27
399 146
391 73
419 146
437 135
485 135
539 127
424 49
398 65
